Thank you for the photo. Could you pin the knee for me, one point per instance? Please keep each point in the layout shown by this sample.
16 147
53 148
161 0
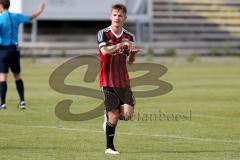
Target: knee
127 116
3 77
16 76
113 118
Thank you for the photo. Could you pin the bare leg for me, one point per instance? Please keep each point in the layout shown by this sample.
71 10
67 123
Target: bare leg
17 76
126 112
3 77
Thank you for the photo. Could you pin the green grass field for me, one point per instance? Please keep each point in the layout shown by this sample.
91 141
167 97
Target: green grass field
210 89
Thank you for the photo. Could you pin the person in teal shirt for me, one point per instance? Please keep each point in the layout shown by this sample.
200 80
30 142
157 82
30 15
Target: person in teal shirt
9 53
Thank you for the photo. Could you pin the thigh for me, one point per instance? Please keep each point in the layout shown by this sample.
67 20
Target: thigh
4 61
14 61
126 96
111 100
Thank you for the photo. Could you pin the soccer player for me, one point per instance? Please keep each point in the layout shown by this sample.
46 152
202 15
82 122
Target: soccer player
115 50
9 53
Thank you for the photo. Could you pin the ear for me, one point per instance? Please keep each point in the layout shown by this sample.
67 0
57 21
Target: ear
1 7
125 18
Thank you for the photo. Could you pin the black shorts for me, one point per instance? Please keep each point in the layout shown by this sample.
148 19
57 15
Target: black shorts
115 97
9 58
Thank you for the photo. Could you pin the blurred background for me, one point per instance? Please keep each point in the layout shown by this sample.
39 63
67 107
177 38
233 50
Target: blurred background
162 27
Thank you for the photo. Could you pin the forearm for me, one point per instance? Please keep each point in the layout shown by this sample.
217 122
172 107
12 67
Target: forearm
35 15
38 11
110 49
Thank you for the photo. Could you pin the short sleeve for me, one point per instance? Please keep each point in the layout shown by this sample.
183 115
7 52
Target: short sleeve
133 39
23 18
102 39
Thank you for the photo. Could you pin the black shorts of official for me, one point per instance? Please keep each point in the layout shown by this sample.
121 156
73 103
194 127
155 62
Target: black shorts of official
115 97
9 58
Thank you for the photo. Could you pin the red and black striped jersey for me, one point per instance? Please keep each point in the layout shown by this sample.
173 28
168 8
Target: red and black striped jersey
113 71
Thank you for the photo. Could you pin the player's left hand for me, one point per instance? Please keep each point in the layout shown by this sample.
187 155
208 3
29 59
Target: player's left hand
135 50
132 54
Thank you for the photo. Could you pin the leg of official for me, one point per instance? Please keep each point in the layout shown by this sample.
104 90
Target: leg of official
3 87
113 116
19 85
126 111
17 76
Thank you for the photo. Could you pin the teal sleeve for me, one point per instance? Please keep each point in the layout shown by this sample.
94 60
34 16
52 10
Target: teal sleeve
23 18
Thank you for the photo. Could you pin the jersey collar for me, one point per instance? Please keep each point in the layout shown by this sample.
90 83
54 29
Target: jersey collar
116 35
5 12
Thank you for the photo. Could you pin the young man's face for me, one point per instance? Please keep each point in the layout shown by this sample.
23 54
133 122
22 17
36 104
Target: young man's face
118 18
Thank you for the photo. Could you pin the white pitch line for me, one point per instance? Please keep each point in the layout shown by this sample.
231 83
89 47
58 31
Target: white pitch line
146 135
